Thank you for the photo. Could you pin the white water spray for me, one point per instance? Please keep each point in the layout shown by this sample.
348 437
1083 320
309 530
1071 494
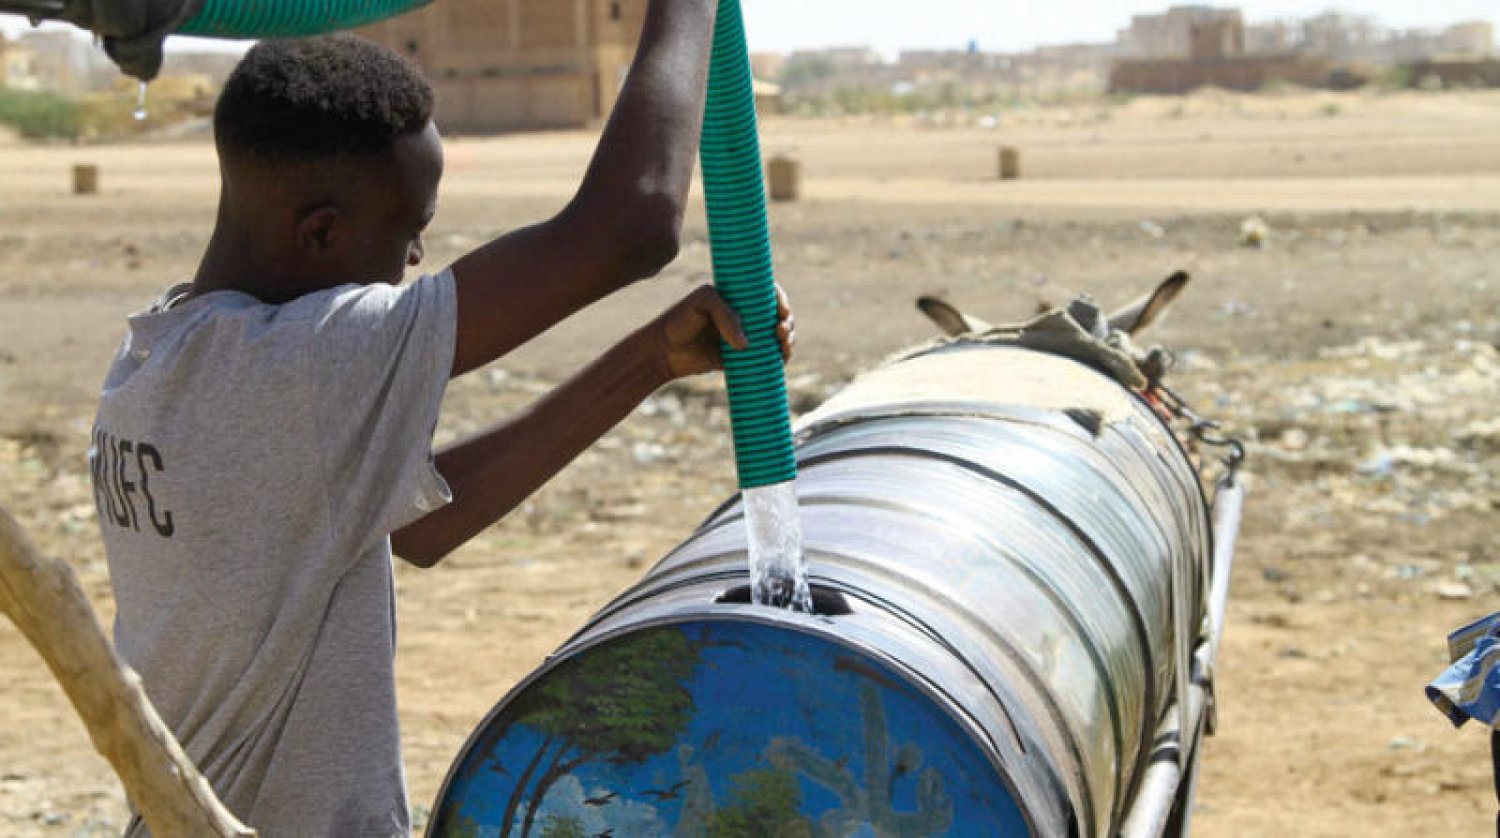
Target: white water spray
778 569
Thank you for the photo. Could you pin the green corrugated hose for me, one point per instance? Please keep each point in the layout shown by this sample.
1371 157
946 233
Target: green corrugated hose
740 239
281 19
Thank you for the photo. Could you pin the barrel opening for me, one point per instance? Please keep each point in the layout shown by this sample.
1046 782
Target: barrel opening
826 601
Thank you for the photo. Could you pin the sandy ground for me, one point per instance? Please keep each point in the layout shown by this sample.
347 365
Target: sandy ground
1356 352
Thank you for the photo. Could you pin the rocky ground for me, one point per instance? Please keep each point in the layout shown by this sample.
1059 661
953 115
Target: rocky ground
1354 350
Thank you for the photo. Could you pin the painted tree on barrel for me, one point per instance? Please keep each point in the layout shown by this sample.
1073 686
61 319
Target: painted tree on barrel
872 801
622 704
563 826
764 803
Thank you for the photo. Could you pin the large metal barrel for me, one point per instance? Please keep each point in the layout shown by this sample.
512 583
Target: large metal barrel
1008 553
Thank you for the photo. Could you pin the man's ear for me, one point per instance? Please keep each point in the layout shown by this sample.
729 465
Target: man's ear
318 230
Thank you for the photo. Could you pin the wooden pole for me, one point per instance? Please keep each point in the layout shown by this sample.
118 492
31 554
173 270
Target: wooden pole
1010 163
786 178
42 597
85 179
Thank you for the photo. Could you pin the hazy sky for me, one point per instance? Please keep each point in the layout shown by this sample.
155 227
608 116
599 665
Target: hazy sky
1017 24
1021 24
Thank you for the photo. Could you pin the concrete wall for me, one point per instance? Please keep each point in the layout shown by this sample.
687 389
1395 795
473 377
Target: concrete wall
1231 74
1457 73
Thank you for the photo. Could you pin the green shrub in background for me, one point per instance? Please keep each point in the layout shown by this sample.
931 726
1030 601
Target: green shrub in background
39 116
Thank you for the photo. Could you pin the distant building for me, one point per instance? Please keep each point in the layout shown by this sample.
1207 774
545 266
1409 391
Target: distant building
1463 55
214 66
1246 73
1471 38
1170 34
1341 38
768 98
768 65
840 59
1455 73
17 66
1198 46
65 62
1274 37
516 65
1218 38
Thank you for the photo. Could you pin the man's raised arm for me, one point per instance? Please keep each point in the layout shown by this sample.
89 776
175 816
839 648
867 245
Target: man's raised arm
625 221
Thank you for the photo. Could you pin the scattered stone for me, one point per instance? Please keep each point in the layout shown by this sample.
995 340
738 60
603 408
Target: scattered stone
1380 465
1294 439
1406 743
1255 232
1481 435
1238 308
1191 360
458 242
1415 569
618 513
1272 619
1384 462
648 453
1453 591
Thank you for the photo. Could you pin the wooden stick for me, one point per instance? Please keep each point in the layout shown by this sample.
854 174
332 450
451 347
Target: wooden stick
42 597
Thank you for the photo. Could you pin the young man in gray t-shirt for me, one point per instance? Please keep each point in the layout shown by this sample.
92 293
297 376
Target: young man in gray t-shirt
264 437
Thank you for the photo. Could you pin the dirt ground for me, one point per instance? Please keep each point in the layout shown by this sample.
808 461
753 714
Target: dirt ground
1356 351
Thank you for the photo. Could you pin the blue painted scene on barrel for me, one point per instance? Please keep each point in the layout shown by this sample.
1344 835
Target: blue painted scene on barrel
723 729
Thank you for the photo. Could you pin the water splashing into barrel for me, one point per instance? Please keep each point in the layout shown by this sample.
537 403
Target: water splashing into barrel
778 569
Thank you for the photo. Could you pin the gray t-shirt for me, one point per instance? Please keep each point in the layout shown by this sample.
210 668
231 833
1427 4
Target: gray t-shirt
249 463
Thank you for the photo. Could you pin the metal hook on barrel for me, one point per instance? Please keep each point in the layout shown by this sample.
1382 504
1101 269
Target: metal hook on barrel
1207 432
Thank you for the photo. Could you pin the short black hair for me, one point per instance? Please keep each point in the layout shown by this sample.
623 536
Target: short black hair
324 97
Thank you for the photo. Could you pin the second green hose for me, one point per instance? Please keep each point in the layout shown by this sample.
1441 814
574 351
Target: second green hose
282 19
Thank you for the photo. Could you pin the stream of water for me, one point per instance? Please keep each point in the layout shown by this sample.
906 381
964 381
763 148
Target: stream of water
140 104
778 569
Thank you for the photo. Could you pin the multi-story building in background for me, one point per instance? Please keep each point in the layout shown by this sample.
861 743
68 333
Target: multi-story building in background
1341 38
1170 34
1194 46
1349 39
507 65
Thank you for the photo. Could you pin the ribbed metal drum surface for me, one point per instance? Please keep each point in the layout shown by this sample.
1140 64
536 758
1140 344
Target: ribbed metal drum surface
1009 536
